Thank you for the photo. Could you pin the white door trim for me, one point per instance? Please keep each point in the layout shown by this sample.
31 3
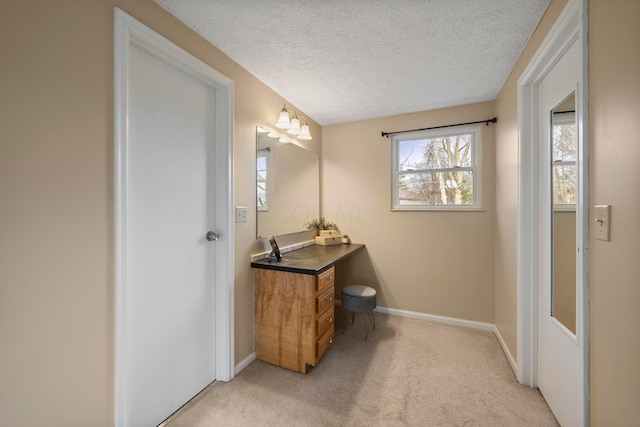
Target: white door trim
570 25
127 32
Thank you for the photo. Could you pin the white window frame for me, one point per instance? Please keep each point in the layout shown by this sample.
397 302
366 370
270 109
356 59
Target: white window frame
476 168
563 119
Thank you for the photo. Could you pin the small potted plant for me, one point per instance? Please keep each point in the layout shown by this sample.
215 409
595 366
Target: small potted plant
327 233
345 239
320 224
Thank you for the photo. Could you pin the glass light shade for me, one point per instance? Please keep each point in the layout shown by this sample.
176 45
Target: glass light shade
283 120
273 135
261 129
295 126
304 132
283 139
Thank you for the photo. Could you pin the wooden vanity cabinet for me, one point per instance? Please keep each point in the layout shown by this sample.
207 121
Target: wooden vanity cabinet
294 317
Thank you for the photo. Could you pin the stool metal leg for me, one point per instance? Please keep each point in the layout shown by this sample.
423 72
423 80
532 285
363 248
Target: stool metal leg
344 319
371 319
366 337
367 314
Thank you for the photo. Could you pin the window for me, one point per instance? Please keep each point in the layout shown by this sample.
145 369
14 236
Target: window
436 170
262 167
564 169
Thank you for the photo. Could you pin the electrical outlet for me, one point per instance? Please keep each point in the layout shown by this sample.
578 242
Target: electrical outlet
241 214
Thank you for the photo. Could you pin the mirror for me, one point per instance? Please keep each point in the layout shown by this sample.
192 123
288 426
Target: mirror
288 185
564 178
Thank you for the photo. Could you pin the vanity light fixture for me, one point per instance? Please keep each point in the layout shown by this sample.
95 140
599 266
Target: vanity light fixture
304 132
294 129
283 121
262 130
292 124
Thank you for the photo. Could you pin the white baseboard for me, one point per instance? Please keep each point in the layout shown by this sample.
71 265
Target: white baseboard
506 351
490 327
245 362
439 319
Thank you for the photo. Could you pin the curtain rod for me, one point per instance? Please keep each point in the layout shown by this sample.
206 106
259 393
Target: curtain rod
493 120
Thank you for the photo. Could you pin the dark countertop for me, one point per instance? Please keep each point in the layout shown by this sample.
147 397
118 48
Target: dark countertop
311 260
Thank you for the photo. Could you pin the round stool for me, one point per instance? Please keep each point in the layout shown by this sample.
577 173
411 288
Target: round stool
358 299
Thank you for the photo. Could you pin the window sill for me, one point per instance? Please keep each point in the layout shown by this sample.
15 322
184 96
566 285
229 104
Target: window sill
437 209
564 208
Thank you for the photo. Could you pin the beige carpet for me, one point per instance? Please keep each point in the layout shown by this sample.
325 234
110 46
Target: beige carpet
410 373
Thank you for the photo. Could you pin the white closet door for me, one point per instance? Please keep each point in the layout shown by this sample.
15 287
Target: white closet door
560 351
170 289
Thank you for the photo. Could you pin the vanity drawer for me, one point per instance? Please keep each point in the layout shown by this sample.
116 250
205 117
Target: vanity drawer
324 322
326 279
324 301
324 343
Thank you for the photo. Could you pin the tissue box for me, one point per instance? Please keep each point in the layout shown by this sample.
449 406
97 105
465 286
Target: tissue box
327 240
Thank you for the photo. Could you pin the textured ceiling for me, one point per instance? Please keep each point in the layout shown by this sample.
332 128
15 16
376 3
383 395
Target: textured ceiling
347 60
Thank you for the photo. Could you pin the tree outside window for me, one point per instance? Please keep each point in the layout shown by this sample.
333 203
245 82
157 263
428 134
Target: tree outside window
436 170
565 171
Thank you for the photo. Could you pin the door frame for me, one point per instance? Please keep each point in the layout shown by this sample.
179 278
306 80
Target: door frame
127 32
570 26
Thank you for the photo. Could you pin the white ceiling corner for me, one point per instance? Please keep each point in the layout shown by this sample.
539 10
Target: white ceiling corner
348 60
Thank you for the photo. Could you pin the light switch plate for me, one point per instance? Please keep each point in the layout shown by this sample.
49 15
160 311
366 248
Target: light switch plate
241 214
602 222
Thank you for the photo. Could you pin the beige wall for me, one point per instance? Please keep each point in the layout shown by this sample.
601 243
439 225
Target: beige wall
614 90
429 262
56 228
506 187
614 100
56 187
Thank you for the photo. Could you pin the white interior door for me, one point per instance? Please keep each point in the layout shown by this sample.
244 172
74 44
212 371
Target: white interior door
173 132
170 265
561 345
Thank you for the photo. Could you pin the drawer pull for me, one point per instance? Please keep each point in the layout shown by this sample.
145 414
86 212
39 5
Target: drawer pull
329 319
330 340
329 298
330 278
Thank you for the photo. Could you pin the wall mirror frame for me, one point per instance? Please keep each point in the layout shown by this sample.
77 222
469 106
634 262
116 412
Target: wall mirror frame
287 184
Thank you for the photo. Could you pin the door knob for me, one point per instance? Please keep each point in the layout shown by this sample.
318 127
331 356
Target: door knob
211 236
